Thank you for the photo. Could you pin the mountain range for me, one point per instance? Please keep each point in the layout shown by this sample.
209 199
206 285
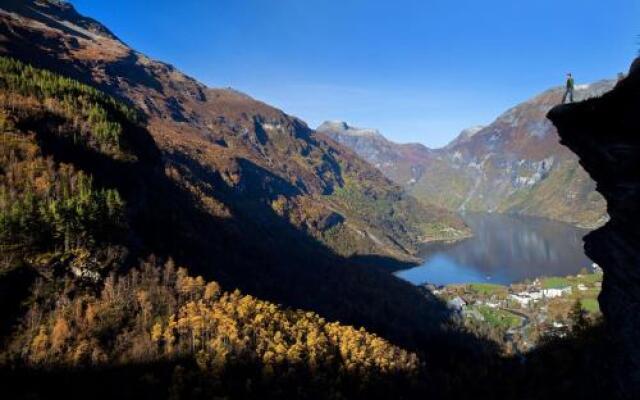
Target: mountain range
513 165
162 239
212 179
259 151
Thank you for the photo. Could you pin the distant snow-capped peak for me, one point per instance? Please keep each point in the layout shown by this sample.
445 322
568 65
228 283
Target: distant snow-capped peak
341 127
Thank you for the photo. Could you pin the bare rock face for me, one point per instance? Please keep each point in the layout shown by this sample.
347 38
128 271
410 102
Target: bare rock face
402 163
605 134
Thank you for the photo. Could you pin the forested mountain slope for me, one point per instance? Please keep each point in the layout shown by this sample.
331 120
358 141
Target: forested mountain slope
81 182
320 188
109 158
83 194
226 185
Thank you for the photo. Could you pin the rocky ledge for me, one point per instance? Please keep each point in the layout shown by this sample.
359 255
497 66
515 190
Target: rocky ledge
605 134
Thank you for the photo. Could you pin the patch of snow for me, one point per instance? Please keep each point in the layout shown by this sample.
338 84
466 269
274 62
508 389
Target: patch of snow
80 30
469 132
341 127
270 127
465 135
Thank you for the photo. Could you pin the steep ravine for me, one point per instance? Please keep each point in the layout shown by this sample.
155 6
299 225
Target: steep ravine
605 134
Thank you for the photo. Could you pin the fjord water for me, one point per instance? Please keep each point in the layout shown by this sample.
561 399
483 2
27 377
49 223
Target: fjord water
504 249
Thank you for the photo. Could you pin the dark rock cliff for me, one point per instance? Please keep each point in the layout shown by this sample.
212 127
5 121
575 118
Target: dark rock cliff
605 134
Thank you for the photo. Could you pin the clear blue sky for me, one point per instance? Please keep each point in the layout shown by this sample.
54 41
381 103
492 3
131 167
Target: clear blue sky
420 71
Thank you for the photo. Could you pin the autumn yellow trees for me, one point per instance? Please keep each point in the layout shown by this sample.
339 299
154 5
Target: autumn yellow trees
236 325
154 313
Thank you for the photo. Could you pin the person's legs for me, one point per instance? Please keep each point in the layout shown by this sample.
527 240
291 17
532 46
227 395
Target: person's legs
571 95
564 98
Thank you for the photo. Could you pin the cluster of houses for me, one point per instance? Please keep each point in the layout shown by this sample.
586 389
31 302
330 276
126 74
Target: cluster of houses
530 302
524 298
531 296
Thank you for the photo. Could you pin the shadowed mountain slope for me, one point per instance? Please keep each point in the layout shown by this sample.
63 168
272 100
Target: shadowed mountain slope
222 129
228 186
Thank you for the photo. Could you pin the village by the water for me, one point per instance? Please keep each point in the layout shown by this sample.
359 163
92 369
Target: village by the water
521 315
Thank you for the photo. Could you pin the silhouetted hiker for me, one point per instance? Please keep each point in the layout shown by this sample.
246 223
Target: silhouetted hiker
569 91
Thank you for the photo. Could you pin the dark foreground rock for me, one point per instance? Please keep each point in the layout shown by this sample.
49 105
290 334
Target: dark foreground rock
605 134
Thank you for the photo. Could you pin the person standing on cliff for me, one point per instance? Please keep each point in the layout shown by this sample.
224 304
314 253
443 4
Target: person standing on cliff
569 91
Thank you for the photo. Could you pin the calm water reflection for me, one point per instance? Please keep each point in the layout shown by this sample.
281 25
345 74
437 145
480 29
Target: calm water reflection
504 249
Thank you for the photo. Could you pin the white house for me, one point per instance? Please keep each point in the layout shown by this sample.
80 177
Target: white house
536 295
582 287
525 298
522 298
556 292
